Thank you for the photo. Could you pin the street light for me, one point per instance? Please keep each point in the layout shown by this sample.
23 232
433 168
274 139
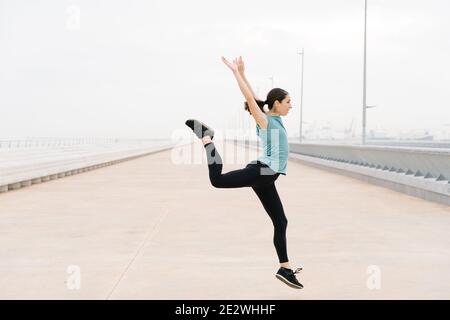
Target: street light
364 76
302 53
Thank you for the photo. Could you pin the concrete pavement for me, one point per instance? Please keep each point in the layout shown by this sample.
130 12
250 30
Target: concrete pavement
152 229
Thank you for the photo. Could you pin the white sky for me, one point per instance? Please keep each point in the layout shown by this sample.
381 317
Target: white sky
140 68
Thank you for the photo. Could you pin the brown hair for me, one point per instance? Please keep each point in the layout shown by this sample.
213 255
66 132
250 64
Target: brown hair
276 94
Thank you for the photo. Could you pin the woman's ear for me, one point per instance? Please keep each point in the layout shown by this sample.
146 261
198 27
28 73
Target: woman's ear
276 105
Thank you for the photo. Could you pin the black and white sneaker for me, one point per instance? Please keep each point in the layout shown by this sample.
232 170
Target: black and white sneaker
288 276
199 128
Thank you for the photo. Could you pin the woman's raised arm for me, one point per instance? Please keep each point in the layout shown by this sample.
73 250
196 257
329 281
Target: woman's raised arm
256 112
241 69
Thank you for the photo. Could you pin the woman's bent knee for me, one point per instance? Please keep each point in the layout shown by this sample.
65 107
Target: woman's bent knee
215 182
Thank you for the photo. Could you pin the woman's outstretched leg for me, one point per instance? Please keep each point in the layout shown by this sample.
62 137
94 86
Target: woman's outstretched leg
233 179
245 177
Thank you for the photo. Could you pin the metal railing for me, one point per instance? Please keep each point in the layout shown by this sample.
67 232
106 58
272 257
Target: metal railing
59 142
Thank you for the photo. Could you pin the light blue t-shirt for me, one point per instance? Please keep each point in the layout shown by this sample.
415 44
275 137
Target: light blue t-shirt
275 144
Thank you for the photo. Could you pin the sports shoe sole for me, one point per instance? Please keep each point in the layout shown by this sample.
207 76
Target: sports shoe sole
286 281
208 132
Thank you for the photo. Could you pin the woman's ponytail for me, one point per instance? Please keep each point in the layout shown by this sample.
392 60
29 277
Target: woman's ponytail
261 104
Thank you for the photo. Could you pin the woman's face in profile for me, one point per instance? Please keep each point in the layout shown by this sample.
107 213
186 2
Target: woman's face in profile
285 106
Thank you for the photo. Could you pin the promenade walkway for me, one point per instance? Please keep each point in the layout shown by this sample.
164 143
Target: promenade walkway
152 229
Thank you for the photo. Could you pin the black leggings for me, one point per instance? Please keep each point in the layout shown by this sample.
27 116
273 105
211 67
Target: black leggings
262 180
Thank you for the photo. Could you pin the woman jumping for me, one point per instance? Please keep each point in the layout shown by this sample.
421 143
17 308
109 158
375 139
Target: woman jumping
259 174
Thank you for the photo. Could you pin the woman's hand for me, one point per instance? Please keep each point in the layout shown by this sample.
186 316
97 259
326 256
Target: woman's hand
237 66
234 66
241 67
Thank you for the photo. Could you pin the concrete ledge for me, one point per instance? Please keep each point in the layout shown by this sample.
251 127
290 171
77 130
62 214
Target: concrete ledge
73 166
426 162
14 186
25 183
392 180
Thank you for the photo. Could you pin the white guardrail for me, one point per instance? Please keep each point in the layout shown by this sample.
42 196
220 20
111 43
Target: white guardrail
422 172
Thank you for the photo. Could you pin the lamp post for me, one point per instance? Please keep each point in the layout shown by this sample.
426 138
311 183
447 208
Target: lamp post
364 76
365 107
302 53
